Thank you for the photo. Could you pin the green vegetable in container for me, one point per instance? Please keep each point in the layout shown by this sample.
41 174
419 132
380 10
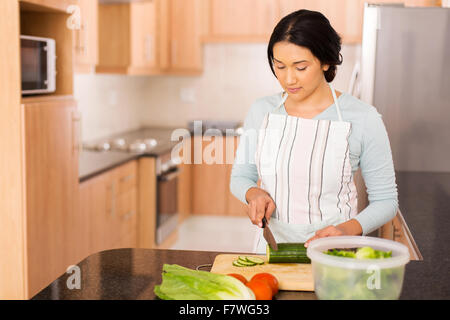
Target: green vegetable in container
360 253
180 283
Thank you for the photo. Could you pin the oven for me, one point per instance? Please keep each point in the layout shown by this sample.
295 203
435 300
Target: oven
167 173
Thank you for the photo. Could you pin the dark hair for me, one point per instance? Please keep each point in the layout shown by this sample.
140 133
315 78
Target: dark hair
312 30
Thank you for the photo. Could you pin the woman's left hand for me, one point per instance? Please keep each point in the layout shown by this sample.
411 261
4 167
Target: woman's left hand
348 228
330 231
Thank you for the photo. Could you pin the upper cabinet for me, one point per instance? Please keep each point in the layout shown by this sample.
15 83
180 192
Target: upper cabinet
254 20
85 38
143 35
240 20
150 37
51 5
185 33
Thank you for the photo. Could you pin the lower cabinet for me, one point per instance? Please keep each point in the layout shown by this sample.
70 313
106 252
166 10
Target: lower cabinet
54 236
109 203
211 177
397 230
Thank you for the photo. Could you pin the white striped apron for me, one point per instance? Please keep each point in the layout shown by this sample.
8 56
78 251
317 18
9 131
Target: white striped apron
304 165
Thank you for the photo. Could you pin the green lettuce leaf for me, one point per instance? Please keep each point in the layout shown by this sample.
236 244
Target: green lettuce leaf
180 283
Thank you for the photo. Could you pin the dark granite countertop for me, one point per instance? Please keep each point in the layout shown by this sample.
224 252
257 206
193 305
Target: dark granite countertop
424 199
131 274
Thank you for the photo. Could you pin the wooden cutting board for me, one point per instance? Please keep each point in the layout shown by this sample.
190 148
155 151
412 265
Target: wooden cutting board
291 276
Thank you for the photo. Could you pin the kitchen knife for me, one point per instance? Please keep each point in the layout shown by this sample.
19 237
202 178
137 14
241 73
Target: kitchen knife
268 235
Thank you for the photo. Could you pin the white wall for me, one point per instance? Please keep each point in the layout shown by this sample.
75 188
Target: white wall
234 76
109 103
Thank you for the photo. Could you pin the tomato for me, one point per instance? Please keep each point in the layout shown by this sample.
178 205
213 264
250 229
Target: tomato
261 289
269 279
240 277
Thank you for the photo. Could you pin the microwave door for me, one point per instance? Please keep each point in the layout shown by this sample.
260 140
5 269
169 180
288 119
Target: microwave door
34 66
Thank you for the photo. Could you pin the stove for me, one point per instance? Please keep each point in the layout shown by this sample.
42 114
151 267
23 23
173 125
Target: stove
123 145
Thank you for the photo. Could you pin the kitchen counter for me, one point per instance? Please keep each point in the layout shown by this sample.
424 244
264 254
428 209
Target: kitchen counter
92 163
132 273
424 199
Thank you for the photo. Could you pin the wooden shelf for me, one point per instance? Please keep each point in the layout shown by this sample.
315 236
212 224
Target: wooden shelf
52 25
45 98
46 5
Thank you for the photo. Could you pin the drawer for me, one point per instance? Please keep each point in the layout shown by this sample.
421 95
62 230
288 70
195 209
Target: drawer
127 214
126 204
126 177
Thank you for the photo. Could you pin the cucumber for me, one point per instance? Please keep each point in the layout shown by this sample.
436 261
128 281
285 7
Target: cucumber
255 260
245 262
287 253
238 263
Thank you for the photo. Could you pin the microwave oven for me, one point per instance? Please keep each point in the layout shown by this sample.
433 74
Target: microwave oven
38 62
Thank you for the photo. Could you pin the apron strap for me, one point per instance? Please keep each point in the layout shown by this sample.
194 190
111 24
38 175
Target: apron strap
336 102
284 96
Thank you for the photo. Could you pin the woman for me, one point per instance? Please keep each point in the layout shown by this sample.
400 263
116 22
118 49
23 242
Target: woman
309 141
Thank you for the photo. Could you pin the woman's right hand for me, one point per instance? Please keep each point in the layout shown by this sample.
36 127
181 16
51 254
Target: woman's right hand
260 204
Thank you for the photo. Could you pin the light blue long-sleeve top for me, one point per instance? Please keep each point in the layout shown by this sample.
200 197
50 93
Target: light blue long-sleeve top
368 145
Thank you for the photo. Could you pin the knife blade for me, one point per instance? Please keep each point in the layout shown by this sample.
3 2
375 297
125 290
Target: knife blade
268 235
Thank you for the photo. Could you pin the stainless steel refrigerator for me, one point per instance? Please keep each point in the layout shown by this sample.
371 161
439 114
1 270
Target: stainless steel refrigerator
405 74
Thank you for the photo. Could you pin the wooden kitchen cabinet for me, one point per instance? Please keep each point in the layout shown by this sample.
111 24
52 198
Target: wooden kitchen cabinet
345 16
423 3
150 37
144 36
52 5
208 179
109 200
184 187
234 206
254 20
147 203
240 20
55 233
185 43
127 37
211 193
397 230
85 38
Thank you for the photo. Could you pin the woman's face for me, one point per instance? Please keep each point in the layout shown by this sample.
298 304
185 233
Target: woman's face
299 72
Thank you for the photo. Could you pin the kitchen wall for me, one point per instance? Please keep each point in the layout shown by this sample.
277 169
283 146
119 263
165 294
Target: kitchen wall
109 103
234 76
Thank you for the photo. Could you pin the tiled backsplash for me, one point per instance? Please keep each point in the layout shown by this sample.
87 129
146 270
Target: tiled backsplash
109 104
234 76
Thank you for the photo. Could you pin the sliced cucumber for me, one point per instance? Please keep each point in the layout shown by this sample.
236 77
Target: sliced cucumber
245 262
255 260
237 263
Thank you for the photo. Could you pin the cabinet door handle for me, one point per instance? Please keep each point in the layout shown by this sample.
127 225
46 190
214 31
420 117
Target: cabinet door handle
84 29
128 215
174 53
112 212
127 178
148 48
76 137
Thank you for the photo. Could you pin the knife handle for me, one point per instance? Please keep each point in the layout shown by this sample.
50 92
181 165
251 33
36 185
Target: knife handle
264 222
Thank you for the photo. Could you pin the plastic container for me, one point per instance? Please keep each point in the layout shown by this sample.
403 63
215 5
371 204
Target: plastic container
357 279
